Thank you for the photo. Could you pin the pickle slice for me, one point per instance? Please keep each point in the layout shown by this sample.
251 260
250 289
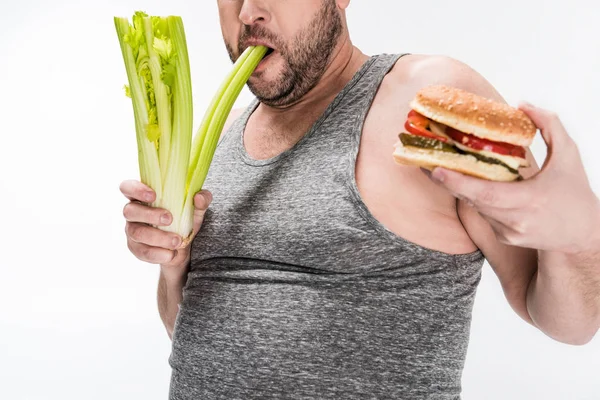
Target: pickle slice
426 143
433 144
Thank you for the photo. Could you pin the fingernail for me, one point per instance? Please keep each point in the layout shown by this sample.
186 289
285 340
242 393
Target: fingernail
206 198
525 104
165 219
176 242
171 257
437 175
465 200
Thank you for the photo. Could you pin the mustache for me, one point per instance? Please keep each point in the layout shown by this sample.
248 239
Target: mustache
260 33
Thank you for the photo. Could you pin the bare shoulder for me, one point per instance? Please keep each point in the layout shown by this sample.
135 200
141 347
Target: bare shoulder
419 70
233 115
402 198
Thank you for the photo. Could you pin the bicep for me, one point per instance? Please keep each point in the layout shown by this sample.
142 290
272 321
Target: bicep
514 266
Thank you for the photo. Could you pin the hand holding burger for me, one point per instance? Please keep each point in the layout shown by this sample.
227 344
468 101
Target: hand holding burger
554 210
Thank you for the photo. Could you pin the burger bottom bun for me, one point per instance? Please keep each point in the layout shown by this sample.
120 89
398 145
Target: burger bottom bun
463 163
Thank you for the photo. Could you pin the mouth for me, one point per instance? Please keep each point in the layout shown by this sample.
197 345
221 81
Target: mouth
257 42
269 52
267 57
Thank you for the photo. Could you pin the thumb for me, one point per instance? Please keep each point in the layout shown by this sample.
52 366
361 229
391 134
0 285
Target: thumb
479 192
202 200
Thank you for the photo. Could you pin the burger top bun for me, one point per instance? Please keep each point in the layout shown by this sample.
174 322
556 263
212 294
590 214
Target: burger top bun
476 115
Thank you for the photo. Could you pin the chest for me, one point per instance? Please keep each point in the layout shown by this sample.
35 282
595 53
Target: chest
308 182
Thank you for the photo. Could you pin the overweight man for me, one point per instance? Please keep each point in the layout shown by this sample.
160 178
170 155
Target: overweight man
320 268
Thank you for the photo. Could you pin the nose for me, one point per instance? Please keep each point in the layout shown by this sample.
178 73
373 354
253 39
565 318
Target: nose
254 11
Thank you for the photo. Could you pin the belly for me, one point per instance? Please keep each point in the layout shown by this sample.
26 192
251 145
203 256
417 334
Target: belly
273 334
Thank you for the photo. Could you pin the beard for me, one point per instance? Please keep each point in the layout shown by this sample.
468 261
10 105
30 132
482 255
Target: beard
305 57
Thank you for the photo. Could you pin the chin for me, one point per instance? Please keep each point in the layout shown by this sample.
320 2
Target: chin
266 83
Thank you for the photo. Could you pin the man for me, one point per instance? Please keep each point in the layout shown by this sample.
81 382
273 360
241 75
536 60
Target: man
323 269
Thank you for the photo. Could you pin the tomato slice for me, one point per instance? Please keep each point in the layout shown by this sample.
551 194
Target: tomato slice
418 119
417 124
477 143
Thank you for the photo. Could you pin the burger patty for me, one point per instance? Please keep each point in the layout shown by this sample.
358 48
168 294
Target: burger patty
433 144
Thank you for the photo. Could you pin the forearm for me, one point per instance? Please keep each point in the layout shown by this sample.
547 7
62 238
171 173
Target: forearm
563 298
170 295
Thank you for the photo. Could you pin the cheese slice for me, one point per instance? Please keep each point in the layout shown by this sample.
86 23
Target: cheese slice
438 129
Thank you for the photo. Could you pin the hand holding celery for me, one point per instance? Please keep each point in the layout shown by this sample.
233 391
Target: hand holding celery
156 59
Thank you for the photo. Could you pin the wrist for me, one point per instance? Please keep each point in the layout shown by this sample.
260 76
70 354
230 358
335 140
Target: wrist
591 243
596 232
584 232
586 254
174 275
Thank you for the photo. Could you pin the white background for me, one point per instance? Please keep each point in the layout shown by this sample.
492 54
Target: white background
77 312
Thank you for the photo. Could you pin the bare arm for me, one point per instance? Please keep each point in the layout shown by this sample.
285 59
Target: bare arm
170 295
156 246
173 275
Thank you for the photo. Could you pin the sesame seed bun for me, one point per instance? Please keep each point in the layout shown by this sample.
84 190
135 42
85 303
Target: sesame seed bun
476 115
463 163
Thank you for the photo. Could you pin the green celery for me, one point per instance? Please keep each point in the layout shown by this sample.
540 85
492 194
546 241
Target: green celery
174 193
210 112
156 60
242 70
130 43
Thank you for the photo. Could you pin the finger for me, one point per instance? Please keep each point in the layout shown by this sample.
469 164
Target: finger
136 212
153 255
504 234
549 124
483 193
511 219
137 191
202 200
148 235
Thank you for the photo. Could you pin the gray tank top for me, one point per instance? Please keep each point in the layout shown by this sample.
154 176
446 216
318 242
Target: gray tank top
296 291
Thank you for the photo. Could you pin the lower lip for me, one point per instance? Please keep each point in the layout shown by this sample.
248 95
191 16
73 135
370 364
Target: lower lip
263 63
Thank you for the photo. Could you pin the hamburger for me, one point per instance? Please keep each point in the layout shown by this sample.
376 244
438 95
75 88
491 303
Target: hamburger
461 131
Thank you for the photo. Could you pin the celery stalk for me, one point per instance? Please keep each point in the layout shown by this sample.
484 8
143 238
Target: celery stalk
220 116
210 112
147 155
161 93
242 71
174 192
